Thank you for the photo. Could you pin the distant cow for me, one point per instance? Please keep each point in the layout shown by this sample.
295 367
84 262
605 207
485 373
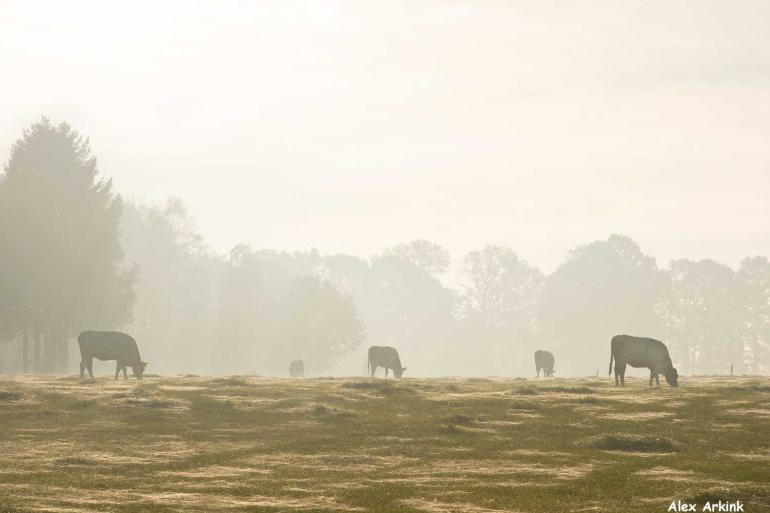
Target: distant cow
385 356
297 369
642 352
544 360
110 345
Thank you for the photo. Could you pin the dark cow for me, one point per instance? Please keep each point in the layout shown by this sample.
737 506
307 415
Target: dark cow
110 345
544 360
297 369
385 356
642 352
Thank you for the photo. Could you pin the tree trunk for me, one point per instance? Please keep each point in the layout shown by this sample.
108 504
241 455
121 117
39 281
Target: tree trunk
49 350
755 357
25 350
36 350
63 352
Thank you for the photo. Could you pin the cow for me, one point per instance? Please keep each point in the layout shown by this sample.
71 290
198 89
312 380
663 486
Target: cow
544 360
641 352
385 356
297 369
110 345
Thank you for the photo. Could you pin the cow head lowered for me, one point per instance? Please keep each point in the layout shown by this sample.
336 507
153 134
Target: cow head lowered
399 372
138 369
672 376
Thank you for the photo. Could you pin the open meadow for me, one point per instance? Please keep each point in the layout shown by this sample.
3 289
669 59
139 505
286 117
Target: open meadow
415 445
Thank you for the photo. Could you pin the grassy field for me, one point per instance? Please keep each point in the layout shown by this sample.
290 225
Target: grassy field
419 445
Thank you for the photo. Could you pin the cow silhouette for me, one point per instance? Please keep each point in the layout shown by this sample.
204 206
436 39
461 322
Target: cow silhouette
641 352
110 345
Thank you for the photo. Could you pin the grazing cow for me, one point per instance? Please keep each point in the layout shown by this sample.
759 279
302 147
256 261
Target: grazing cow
110 345
642 352
385 356
297 369
544 360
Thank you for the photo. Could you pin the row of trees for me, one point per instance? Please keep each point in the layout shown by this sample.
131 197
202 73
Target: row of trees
75 257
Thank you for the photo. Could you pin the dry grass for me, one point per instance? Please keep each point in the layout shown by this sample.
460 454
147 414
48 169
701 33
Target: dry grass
251 444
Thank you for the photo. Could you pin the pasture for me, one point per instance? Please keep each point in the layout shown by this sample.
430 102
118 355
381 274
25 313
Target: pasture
416 445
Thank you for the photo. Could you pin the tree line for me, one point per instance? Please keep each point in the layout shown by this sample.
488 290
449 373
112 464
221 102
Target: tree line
74 256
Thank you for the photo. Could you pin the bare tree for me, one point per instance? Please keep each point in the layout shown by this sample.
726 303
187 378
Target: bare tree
498 298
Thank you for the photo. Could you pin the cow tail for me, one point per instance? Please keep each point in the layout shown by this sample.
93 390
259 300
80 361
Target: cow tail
368 365
612 353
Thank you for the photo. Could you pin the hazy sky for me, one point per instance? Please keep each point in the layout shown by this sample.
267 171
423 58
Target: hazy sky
348 126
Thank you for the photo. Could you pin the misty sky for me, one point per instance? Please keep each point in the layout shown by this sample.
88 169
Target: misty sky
349 126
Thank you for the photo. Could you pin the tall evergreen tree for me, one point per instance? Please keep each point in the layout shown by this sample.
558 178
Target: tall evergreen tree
61 240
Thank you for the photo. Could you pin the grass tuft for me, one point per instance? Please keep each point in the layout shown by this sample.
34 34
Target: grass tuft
460 420
524 406
82 404
631 443
232 381
154 403
320 409
9 395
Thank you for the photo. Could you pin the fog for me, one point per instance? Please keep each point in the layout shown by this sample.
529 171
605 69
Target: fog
466 182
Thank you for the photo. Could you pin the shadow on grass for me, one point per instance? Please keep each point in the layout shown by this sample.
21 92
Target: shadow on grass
568 390
380 387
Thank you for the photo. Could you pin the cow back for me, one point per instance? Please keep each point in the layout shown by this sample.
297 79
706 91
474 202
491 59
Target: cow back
544 359
109 345
296 368
640 351
384 356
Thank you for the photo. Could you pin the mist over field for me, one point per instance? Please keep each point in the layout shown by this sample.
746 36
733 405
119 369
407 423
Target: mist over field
467 183
400 257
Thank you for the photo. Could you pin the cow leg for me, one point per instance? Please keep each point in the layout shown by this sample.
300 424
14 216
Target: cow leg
538 372
652 375
124 372
386 371
620 371
117 370
374 368
86 364
657 379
